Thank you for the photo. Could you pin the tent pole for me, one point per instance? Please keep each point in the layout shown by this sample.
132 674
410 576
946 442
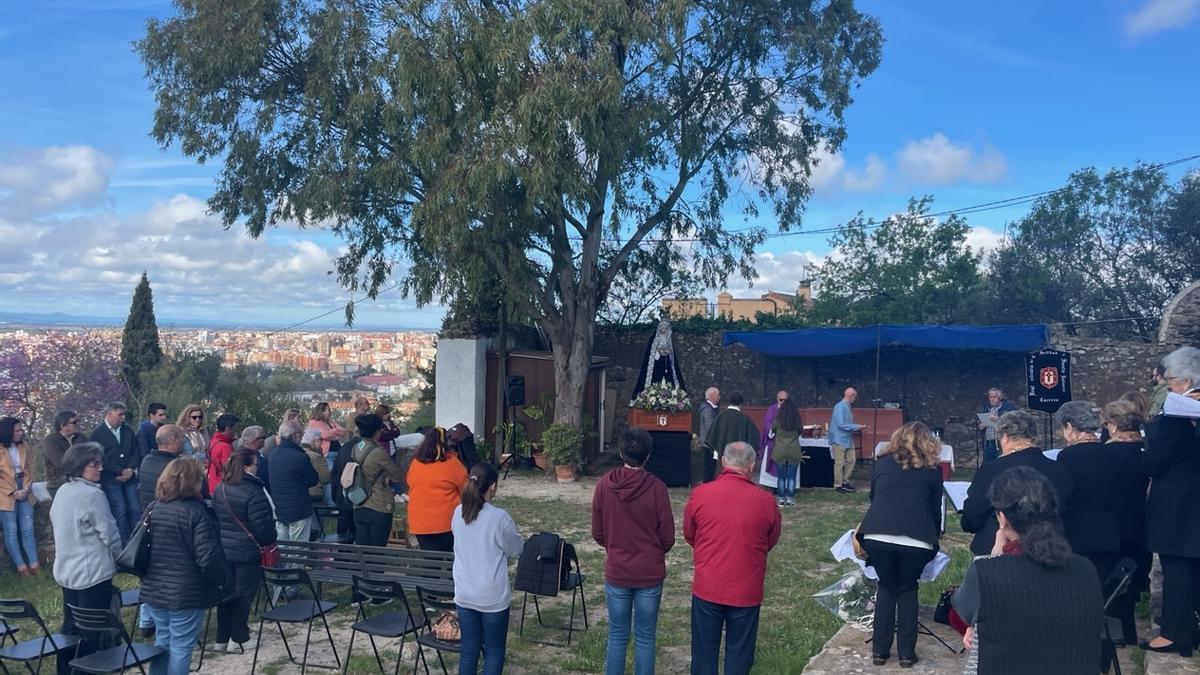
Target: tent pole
878 401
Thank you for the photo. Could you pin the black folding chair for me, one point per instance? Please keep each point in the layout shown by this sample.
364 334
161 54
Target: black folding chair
391 624
1113 632
35 649
434 604
571 581
118 659
132 598
7 632
328 534
300 610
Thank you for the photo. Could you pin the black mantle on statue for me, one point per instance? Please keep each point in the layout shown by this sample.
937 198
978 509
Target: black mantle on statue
671 459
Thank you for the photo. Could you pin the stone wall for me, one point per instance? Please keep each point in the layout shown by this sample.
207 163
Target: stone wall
942 388
1181 321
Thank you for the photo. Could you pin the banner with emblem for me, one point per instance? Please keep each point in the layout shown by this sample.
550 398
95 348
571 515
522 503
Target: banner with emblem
1048 379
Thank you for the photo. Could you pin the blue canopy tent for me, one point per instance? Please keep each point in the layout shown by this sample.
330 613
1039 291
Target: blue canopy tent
819 342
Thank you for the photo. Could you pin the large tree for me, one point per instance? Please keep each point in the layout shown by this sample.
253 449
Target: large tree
1095 250
140 348
536 136
907 268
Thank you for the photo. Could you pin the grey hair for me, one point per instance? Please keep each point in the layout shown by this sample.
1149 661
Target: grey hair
1017 424
1079 414
78 457
998 390
290 428
1183 364
708 392
739 453
167 434
115 405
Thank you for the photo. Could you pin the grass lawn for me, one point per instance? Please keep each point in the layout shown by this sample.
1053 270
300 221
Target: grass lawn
792 626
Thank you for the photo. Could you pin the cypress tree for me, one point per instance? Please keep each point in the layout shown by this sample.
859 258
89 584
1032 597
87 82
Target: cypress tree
140 350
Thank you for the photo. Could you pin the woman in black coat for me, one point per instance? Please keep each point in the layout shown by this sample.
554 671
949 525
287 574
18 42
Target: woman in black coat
1172 460
900 535
1091 520
1123 420
187 567
247 525
1015 433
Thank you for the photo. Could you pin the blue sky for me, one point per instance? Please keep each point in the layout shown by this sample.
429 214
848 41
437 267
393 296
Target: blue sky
972 102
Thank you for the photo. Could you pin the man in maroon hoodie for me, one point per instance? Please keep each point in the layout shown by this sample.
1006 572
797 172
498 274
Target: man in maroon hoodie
731 525
632 520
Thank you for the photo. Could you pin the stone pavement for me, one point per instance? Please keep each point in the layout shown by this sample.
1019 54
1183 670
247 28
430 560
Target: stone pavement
848 652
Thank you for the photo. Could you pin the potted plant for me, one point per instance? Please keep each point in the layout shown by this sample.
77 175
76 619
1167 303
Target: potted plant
562 444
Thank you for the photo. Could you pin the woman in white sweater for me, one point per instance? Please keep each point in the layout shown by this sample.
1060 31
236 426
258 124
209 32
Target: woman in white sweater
485 537
86 539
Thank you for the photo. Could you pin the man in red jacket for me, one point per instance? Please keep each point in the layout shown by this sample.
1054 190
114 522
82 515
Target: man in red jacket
731 525
220 449
632 520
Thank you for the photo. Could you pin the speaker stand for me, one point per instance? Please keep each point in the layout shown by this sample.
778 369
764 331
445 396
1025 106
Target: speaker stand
515 458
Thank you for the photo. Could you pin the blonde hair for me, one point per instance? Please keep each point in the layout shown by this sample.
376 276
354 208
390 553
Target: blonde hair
184 419
181 479
1124 415
914 447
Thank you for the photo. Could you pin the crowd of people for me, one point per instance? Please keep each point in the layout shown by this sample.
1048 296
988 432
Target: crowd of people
1050 532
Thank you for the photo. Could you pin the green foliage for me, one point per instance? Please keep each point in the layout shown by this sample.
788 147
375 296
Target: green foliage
909 268
178 381
140 349
256 396
541 144
423 417
1104 247
562 444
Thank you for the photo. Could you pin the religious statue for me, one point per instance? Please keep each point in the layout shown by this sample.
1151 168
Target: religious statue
660 364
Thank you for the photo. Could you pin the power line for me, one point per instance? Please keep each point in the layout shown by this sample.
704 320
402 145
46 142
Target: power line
963 210
333 311
975 208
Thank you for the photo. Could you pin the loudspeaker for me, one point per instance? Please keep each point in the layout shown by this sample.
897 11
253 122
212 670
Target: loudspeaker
516 390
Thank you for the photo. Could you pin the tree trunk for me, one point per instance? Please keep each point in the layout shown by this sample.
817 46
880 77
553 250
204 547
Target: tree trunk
572 348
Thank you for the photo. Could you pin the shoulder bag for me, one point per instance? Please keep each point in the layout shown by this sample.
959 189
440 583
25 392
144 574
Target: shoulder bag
135 557
268 555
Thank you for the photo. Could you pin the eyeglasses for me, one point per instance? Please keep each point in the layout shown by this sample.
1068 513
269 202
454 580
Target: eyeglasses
197 417
95 464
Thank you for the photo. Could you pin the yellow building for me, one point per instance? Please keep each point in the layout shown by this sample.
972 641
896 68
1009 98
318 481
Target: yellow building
739 308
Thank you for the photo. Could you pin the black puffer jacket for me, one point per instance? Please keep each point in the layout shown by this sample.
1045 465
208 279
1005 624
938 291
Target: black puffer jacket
291 476
187 566
151 468
246 503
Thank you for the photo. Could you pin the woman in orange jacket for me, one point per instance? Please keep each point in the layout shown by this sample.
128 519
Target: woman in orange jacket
16 499
435 483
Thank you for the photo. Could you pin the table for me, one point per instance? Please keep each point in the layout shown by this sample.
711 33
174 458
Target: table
815 471
945 456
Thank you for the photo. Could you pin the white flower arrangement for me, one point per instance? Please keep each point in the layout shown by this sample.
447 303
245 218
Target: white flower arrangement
662 397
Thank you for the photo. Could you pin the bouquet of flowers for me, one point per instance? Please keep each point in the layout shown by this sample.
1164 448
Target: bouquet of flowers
662 397
851 599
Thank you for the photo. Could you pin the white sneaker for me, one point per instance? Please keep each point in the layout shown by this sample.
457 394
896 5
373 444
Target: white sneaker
246 647
220 647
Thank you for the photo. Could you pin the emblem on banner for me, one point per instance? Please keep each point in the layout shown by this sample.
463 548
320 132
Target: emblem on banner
662 420
1049 377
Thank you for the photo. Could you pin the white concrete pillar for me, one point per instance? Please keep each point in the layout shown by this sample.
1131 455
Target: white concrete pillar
460 374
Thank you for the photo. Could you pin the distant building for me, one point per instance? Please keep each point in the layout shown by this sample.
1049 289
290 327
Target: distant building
739 309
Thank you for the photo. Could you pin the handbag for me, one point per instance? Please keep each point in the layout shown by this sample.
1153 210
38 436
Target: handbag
135 557
268 556
941 613
446 628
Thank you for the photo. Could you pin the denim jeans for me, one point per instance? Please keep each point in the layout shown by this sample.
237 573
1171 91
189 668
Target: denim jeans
642 604
330 460
177 630
740 625
786 486
486 630
125 504
18 534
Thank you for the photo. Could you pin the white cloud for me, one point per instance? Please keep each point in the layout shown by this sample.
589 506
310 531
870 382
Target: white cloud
983 239
52 178
780 272
829 173
1156 16
937 160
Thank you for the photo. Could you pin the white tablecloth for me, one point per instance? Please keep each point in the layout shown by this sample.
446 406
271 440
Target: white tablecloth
946 456
767 480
